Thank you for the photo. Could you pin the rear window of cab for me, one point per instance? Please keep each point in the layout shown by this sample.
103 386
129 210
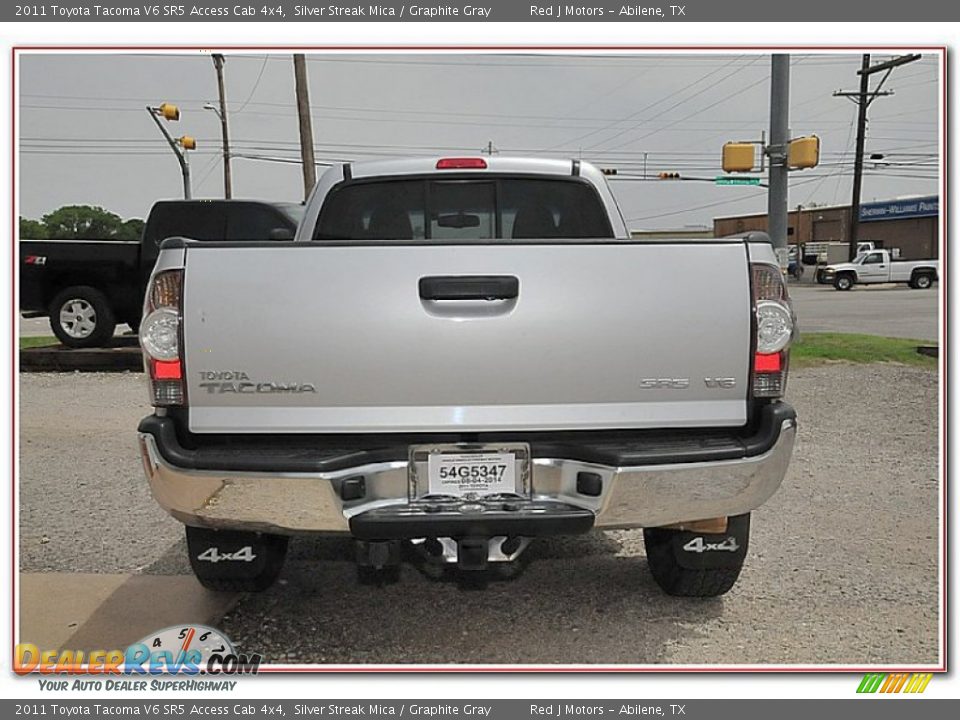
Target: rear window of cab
464 209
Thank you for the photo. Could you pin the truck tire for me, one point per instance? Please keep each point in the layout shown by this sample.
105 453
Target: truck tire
692 564
921 281
843 282
234 560
81 317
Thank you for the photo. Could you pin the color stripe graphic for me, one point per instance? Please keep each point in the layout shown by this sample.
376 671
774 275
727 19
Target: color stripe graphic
895 682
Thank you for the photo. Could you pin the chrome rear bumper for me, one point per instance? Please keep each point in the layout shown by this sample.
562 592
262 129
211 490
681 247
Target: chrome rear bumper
638 496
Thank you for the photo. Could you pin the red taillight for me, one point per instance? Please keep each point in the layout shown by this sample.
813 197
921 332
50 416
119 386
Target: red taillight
167 369
773 329
461 164
161 341
767 363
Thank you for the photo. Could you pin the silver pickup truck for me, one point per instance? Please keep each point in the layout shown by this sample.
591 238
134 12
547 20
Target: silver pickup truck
454 357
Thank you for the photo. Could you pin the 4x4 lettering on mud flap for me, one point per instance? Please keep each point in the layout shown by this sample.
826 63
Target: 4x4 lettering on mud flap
244 554
697 545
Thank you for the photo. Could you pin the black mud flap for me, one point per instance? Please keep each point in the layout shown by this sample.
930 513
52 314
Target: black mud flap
234 555
706 551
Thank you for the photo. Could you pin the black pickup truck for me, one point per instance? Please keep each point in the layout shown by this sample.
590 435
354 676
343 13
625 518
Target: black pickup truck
87 287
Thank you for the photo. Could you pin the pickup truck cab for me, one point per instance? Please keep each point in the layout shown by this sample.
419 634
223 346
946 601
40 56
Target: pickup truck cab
463 355
876 266
87 287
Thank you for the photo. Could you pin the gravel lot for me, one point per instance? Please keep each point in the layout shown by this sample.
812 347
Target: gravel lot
84 504
842 566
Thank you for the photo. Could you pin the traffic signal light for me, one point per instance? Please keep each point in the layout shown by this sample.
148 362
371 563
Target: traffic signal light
169 111
738 157
608 171
669 176
804 152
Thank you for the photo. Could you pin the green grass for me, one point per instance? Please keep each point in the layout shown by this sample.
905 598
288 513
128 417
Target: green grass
43 341
821 348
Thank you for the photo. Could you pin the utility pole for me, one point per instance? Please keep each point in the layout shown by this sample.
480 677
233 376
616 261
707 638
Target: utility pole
306 126
490 149
863 98
218 61
185 166
854 224
777 153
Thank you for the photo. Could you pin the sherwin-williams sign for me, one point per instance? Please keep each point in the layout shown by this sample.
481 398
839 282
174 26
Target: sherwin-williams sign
894 209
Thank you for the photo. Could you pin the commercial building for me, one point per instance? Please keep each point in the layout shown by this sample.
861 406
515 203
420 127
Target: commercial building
911 224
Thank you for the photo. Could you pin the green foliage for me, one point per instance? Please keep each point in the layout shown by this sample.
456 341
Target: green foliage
132 229
32 229
81 222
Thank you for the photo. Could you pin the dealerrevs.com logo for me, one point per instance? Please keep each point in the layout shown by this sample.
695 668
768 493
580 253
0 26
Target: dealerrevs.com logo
176 650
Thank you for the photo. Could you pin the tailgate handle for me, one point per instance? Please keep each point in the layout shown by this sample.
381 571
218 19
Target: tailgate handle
469 287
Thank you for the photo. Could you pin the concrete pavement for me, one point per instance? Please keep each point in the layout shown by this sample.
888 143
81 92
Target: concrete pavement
890 310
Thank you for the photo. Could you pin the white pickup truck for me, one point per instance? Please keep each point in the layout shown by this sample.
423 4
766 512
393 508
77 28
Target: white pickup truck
877 266
462 355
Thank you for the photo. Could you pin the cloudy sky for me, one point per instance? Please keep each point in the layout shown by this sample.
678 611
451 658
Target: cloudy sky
85 136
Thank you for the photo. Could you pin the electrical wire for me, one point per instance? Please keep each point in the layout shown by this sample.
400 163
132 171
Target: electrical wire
651 105
256 84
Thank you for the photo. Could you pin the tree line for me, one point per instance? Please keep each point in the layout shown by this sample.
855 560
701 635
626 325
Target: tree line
81 222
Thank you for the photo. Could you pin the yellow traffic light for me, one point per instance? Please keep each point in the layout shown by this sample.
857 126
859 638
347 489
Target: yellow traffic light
738 157
187 142
669 176
169 111
804 152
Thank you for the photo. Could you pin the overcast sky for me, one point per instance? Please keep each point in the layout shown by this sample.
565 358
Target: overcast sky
85 137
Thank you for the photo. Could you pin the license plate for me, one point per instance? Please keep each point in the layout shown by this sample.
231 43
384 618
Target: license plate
470 471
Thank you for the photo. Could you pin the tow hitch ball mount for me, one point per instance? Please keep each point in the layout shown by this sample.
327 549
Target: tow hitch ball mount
471 553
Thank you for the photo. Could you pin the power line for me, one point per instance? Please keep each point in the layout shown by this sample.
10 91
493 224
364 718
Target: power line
702 110
678 104
728 201
864 98
843 157
651 105
256 84
604 121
